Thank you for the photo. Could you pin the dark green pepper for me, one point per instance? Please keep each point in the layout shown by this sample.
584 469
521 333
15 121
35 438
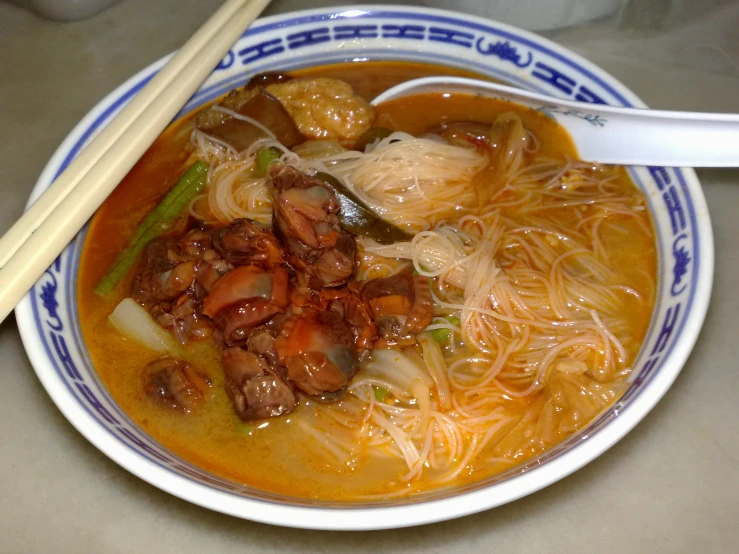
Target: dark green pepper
371 135
264 157
357 219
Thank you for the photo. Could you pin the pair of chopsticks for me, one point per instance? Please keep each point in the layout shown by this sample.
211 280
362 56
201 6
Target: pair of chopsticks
40 235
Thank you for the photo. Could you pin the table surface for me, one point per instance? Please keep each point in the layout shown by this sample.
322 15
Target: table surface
670 486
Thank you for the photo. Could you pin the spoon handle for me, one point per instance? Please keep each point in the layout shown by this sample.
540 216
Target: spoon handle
660 138
610 134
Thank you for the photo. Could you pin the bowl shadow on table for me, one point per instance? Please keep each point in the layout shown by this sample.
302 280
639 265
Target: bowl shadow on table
230 529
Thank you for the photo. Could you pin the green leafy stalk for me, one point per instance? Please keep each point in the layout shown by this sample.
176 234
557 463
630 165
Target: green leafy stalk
186 188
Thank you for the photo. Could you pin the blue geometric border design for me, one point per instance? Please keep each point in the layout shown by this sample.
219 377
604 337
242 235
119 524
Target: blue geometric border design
522 55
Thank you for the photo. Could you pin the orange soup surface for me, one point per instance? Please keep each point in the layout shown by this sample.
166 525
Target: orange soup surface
278 455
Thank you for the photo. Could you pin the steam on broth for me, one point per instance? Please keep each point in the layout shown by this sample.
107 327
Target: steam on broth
489 302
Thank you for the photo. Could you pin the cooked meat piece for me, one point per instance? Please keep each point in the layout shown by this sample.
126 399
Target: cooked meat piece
305 215
261 340
246 297
389 296
176 384
170 268
237 321
248 283
180 278
355 313
150 285
209 269
206 276
302 297
158 255
257 104
401 306
175 276
317 350
255 388
197 246
247 242
194 244
324 108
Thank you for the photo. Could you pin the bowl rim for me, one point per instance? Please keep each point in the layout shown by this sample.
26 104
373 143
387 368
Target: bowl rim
377 517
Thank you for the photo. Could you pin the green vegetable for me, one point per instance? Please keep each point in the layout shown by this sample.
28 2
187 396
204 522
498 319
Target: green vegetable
380 394
186 188
244 429
357 218
370 136
442 335
266 156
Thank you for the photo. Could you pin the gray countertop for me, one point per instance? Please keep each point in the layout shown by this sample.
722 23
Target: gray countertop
672 485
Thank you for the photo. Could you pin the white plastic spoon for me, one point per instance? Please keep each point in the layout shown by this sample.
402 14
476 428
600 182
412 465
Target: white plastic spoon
608 134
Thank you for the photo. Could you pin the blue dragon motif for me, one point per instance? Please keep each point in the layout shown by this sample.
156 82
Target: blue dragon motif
682 261
226 62
503 50
48 297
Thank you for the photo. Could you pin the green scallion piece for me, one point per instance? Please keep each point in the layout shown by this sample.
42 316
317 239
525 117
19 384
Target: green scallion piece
186 188
380 394
266 156
244 429
442 335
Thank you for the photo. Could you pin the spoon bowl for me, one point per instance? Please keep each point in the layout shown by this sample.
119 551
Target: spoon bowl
609 134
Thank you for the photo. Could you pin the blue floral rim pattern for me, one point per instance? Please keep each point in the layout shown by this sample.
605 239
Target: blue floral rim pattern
519 60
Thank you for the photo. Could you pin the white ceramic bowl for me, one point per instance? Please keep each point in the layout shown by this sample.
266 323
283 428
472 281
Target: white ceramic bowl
48 317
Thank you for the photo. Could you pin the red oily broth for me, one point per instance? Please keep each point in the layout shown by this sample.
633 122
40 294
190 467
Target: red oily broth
275 455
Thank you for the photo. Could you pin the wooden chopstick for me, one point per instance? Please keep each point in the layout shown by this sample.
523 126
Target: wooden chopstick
51 198
38 237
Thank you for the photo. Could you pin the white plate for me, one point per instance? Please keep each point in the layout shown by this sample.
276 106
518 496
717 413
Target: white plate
48 319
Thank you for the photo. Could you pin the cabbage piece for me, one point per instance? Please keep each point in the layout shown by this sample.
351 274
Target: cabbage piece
133 322
396 368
